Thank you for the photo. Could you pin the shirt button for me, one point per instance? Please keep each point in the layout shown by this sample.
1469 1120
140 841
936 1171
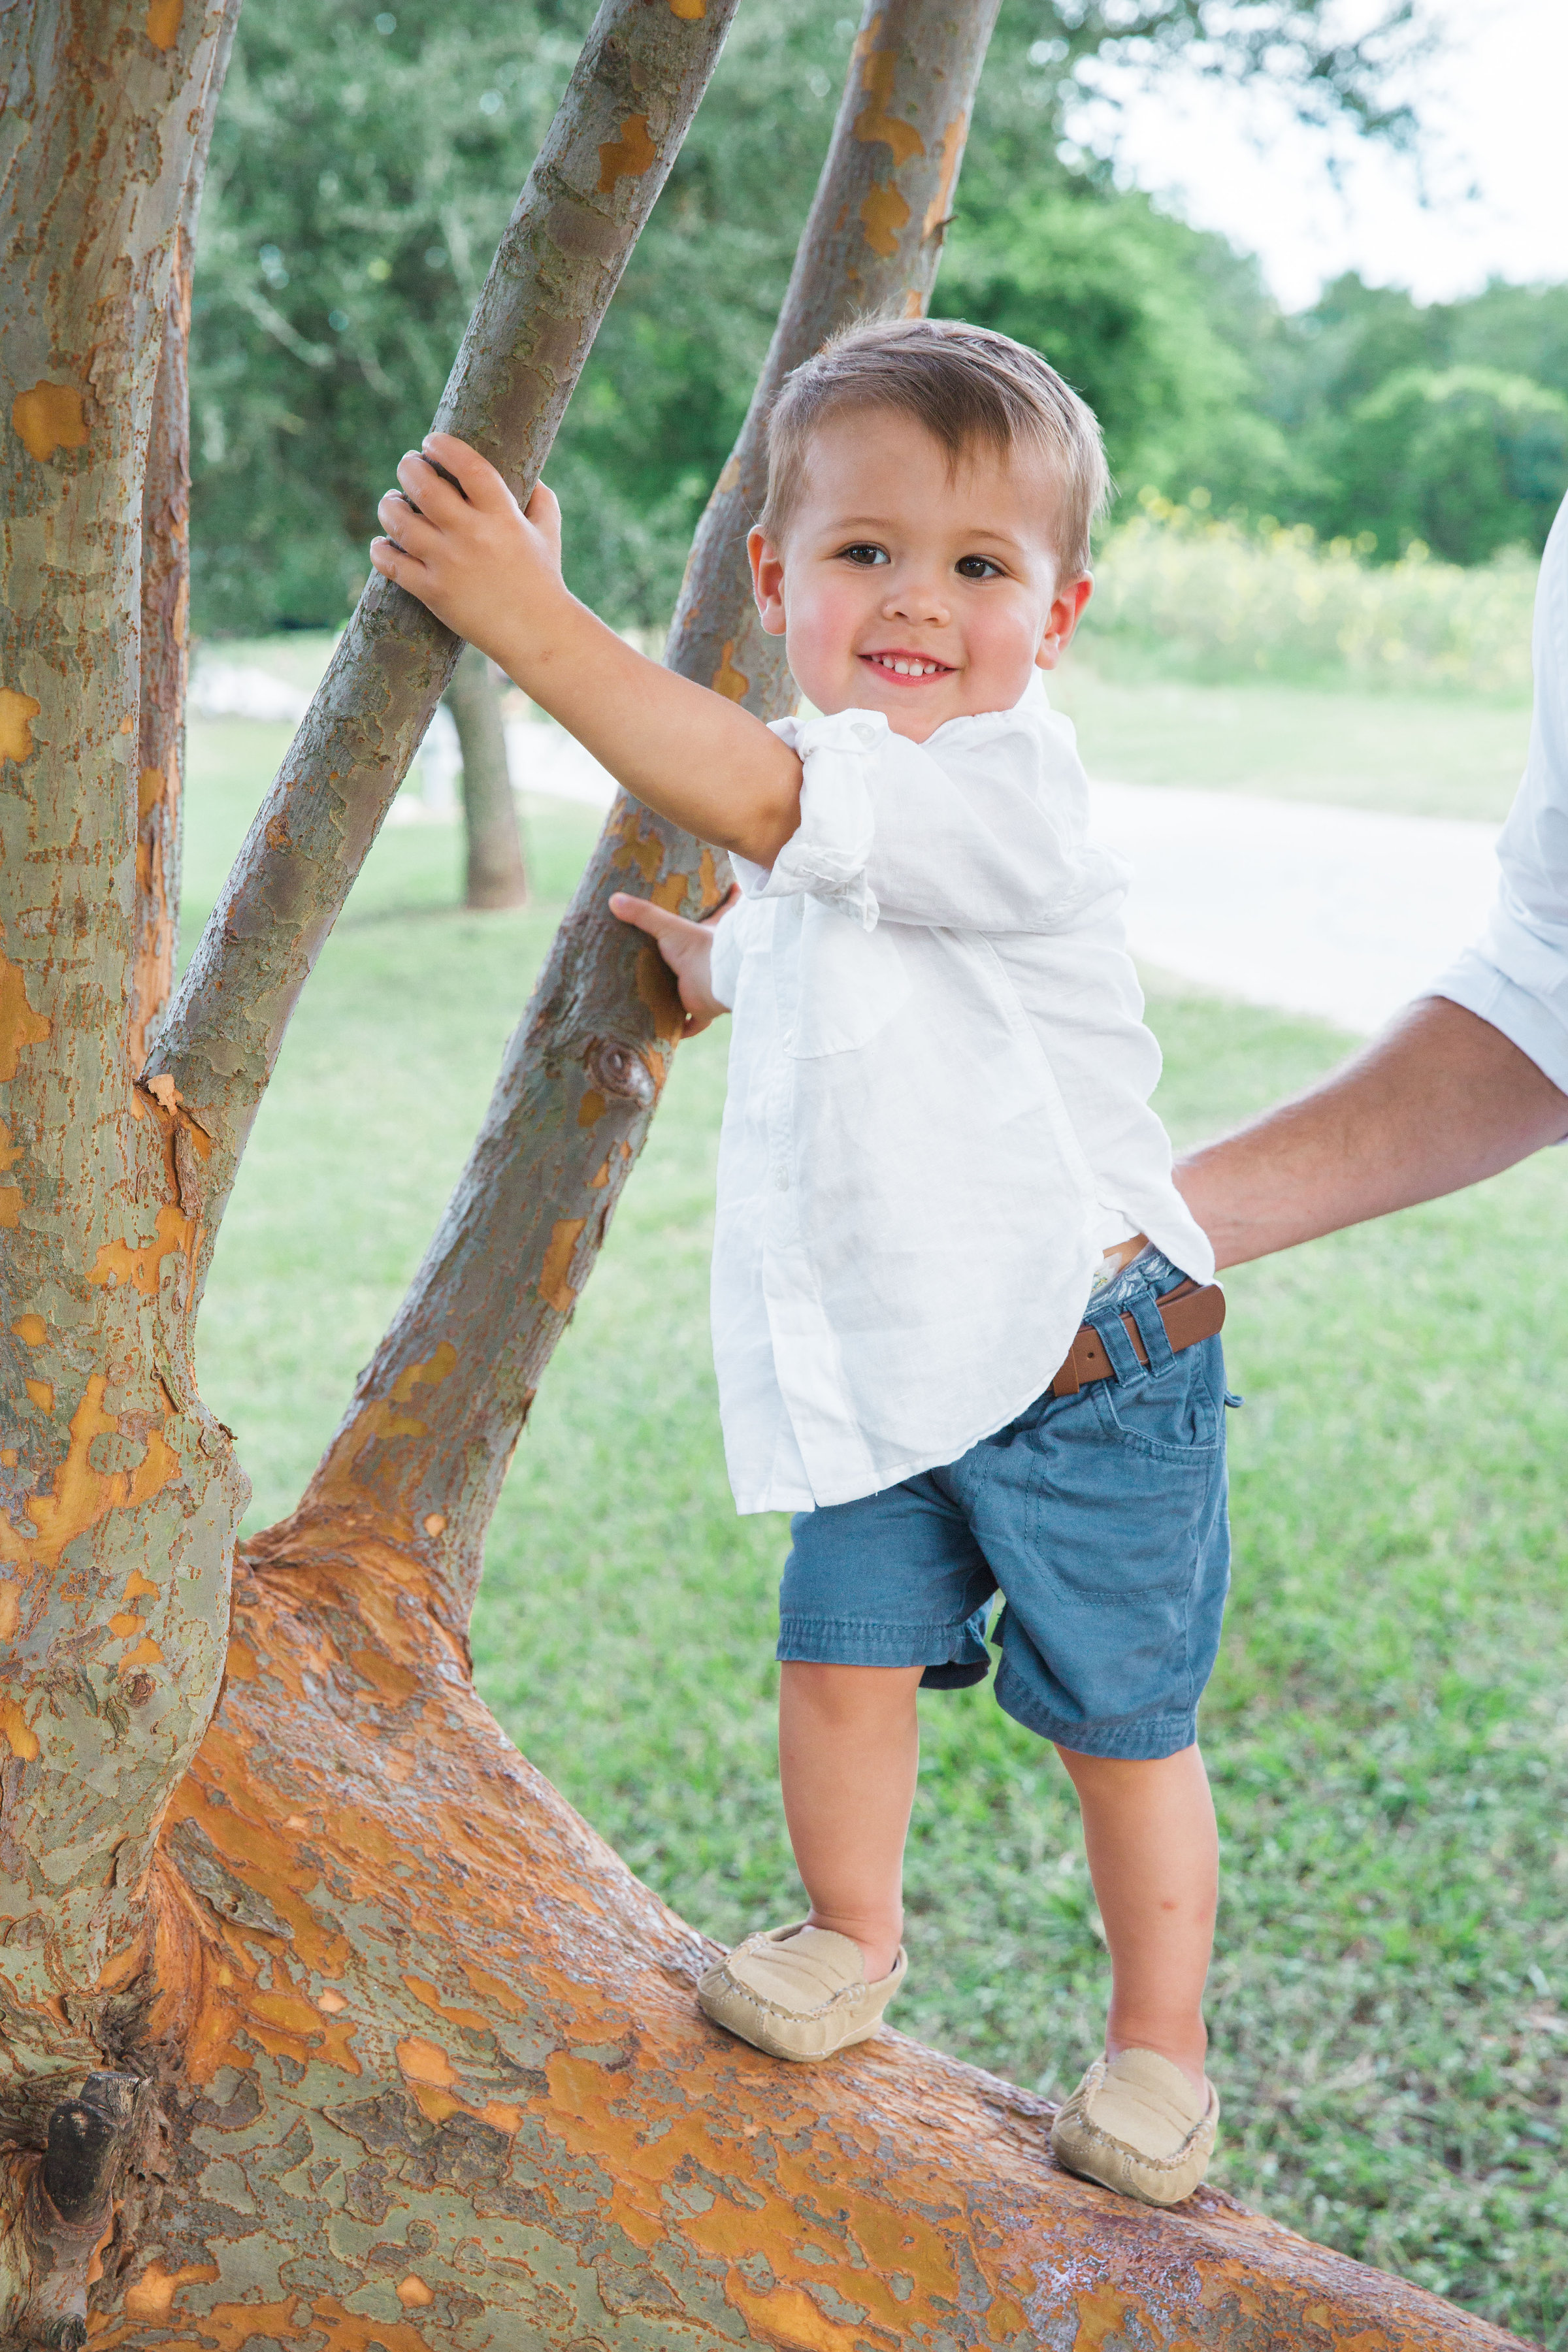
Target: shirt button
780 1180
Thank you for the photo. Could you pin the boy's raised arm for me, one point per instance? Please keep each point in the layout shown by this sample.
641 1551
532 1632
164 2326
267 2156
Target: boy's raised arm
491 571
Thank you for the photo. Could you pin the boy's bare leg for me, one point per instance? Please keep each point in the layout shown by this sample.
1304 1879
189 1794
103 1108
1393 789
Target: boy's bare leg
849 1751
1153 1855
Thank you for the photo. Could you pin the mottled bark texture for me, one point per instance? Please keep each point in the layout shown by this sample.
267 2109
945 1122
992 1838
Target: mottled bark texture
495 874
351 2035
635 86
437 1414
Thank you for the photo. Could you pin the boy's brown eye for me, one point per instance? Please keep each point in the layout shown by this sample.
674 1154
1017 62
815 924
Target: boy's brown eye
976 567
864 551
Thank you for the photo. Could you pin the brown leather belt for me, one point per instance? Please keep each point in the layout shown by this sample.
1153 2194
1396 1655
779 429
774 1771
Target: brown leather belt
1189 1313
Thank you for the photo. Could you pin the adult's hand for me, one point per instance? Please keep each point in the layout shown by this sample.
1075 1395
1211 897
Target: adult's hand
1439 1101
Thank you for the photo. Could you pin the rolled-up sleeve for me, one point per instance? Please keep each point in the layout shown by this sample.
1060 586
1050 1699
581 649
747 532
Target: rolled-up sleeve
967 835
1516 974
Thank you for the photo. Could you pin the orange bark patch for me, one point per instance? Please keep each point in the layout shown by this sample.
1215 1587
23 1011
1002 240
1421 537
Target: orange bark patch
656 987
434 1523
727 681
148 792
141 1264
789 2318
10 1207
124 1627
951 153
31 1329
637 846
145 1653
48 418
16 1732
554 1286
17 712
9 1152
152 2296
883 215
347 2332
139 1587
413 2294
42 1394
426 2061
592 1108
691 12
878 68
627 157
10 1609
19 1024
164 22
82 1496
427 1994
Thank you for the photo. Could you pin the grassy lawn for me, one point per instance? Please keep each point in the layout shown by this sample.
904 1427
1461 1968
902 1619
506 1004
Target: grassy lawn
1388 1730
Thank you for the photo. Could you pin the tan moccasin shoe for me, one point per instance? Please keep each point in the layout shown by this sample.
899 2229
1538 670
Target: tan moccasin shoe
1137 2125
798 1993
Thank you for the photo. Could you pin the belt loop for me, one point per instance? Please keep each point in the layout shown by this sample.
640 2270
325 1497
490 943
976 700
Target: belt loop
1111 1333
1144 1309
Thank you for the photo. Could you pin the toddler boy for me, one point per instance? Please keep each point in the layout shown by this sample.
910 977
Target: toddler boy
963 1322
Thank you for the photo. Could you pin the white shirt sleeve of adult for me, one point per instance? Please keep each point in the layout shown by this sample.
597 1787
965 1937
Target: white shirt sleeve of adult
975 832
1516 974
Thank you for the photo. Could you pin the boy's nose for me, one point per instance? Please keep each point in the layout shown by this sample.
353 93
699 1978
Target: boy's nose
915 600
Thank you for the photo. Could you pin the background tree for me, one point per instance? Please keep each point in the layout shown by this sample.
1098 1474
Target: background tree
496 875
344 2032
357 168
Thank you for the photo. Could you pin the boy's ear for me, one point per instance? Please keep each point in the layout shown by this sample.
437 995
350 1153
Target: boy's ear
1066 610
767 580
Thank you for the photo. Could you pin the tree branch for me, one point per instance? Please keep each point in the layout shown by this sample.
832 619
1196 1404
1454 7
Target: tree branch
619 127
165 606
434 1421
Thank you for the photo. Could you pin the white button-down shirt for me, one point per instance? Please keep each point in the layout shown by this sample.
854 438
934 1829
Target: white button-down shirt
1516 976
938 1113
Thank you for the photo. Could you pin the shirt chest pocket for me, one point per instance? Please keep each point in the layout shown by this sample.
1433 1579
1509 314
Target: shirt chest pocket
845 982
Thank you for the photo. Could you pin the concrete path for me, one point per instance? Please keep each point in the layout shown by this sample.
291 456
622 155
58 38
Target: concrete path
1339 912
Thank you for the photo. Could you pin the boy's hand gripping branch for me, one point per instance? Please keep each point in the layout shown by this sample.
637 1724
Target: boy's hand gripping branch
491 569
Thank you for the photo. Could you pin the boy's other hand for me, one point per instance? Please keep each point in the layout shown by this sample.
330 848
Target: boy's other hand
457 540
686 947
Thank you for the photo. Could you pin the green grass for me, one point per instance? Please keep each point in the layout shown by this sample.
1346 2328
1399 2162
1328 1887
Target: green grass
1387 1731
1418 754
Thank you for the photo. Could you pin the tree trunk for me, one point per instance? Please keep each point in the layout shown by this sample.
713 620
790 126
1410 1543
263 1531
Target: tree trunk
350 2034
496 874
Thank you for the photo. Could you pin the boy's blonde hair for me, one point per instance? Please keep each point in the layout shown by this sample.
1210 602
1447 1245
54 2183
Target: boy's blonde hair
963 384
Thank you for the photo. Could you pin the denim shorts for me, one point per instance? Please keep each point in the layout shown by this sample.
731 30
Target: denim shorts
1101 1519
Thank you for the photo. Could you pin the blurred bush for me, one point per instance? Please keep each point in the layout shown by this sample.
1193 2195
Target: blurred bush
1215 598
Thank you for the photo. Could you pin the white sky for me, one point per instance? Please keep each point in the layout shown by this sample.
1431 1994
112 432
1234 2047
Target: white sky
1494 156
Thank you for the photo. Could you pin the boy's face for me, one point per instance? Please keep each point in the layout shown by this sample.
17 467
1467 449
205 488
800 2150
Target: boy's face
892 559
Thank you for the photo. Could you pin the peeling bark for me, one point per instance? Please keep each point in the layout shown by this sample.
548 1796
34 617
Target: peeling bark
496 876
634 88
436 1416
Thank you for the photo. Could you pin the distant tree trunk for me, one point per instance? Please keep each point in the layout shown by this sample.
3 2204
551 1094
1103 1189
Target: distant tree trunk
496 875
326 2023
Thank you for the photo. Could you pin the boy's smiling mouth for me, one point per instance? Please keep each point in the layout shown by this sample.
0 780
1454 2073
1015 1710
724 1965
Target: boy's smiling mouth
912 668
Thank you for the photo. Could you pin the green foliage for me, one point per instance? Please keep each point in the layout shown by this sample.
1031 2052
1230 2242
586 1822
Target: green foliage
1386 1732
365 161
1211 599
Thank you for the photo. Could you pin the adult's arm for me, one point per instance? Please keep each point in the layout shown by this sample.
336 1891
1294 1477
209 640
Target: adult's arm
1440 1100
1468 1079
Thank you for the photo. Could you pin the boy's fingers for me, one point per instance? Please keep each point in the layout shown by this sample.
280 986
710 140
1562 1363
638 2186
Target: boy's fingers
475 476
642 914
403 522
426 489
391 560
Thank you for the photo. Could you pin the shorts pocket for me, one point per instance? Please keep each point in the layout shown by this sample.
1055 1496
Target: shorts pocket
1172 1415
1127 1489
